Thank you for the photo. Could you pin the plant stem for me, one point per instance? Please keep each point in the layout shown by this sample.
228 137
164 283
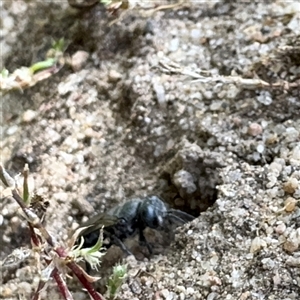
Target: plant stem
34 222
79 274
61 285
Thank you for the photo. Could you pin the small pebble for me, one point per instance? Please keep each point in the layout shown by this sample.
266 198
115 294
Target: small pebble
296 153
291 185
165 293
25 287
291 134
66 157
260 148
265 98
160 94
216 105
6 292
12 130
190 291
195 34
290 246
290 204
213 296
254 129
174 45
8 22
114 76
280 229
276 168
180 289
184 180
78 60
29 115
257 244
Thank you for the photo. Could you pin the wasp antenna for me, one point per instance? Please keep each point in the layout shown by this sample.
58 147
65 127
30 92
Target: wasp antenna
180 215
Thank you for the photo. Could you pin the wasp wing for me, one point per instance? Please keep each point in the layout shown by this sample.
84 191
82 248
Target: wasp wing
97 222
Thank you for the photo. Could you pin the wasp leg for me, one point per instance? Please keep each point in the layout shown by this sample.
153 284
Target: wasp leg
120 244
144 242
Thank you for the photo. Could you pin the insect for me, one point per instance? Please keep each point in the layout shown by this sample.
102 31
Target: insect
131 218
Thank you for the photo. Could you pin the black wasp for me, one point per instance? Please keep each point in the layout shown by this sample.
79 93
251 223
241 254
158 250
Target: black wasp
131 218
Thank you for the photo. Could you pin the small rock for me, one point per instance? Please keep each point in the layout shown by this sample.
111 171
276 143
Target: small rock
91 133
276 168
293 261
53 135
257 244
232 91
180 289
60 196
216 105
237 121
260 148
184 180
29 115
71 143
295 155
190 291
12 130
174 45
79 296
213 296
165 293
8 23
293 242
291 185
114 76
160 93
291 134
280 229
268 263
294 24
6 292
290 246
78 60
24 287
195 34
254 129
290 204
265 98
66 157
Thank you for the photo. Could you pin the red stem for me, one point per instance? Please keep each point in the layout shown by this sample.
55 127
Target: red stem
61 253
79 274
36 295
61 285
34 237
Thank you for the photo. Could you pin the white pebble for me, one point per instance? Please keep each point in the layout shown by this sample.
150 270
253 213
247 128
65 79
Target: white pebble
29 115
174 44
260 148
257 244
190 291
160 93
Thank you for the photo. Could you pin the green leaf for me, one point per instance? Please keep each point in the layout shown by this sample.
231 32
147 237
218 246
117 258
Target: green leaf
42 65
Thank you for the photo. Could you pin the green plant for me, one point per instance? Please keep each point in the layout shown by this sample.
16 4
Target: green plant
115 281
56 257
25 77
